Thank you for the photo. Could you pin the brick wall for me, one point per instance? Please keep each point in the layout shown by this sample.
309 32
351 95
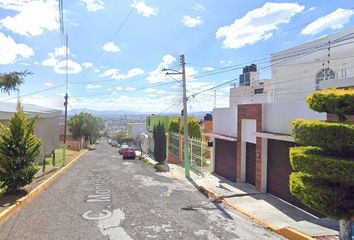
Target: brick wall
250 111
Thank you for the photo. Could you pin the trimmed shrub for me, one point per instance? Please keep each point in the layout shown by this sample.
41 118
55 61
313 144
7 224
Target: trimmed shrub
323 197
193 129
174 127
312 160
337 101
333 136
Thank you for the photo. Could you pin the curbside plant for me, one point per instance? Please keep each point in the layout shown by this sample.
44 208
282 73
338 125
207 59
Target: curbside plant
324 166
18 149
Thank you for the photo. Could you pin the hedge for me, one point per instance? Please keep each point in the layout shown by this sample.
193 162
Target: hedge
312 160
320 197
337 101
174 127
332 136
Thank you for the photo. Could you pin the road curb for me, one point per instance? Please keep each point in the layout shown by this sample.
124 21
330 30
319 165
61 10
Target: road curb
289 233
32 194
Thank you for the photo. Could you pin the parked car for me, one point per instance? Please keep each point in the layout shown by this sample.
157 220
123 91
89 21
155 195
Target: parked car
128 153
109 141
122 148
114 144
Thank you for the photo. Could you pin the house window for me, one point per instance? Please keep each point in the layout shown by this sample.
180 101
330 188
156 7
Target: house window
258 91
323 75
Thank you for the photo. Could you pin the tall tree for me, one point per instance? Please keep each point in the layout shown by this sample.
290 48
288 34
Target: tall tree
324 164
18 149
85 125
11 81
159 136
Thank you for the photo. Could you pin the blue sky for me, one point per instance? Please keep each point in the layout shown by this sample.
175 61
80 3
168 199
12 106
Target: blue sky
117 48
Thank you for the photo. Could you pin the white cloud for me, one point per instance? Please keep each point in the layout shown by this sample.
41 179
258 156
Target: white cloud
143 9
258 24
10 51
93 5
109 72
192 22
32 18
97 70
109 89
73 67
129 89
92 87
151 90
157 75
110 47
87 65
114 73
59 66
199 7
208 68
119 88
48 84
335 20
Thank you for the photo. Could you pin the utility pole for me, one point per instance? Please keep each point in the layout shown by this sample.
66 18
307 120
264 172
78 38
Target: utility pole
66 97
185 120
185 114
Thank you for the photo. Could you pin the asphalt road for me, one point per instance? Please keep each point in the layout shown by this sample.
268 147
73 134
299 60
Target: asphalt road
104 197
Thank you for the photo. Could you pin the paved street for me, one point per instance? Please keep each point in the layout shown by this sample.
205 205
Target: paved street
105 197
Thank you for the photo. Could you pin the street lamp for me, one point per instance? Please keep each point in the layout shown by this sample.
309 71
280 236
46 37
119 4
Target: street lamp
185 116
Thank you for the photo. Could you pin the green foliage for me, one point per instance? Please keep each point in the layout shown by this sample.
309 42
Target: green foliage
324 197
126 140
325 181
159 136
332 136
18 149
337 101
174 127
85 125
11 81
193 129
312 160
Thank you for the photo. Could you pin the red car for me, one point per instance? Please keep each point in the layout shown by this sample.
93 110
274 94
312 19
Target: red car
128 153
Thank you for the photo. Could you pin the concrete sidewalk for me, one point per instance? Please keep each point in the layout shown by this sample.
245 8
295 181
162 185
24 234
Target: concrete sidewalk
263 208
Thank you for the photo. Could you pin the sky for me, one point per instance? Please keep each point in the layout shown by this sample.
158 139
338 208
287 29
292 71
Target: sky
116 49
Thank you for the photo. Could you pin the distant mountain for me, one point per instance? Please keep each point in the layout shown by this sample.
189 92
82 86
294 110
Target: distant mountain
105 113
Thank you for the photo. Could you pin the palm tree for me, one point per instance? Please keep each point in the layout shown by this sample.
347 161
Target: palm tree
12 80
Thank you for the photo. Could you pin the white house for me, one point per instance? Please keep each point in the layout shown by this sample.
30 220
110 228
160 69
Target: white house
256 126
46 127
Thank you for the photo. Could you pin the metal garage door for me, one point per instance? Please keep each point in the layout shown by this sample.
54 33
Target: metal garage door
251 163
278 171
225 159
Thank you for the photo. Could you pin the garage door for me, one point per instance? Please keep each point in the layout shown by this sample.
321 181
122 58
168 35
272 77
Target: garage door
225 159
278 171
251 163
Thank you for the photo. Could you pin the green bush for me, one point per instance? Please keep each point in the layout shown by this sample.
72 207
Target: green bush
338 137
159 136
193 129
337 101
19 147
174 127
321 196
312 160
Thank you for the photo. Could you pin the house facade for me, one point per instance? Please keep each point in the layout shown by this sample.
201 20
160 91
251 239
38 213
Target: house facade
46 126
256 126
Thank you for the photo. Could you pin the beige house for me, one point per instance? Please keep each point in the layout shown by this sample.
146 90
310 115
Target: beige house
46 127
